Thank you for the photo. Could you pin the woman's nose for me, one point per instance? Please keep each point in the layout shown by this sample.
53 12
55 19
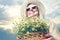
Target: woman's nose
31 9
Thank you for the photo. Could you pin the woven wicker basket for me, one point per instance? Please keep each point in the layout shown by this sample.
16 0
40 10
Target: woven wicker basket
33 36
30 36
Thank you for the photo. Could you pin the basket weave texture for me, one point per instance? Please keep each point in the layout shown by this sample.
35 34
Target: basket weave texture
31 36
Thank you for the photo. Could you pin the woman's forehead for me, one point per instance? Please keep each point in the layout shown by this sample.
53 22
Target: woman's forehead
31 5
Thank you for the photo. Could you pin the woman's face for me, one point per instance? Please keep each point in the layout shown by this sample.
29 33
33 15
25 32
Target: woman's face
32 10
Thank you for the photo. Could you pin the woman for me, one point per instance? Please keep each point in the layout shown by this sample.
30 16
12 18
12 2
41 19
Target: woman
32 9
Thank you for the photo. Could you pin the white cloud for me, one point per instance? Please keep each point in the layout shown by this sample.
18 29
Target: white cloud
1 6
12 12
50 6
15 1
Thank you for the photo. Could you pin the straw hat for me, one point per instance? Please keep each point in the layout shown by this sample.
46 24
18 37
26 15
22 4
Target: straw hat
35 2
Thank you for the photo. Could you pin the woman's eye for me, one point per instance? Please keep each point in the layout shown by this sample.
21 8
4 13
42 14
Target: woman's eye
28 9
34 7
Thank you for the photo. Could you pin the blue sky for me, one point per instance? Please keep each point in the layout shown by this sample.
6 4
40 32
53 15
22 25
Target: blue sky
6 35
10 9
